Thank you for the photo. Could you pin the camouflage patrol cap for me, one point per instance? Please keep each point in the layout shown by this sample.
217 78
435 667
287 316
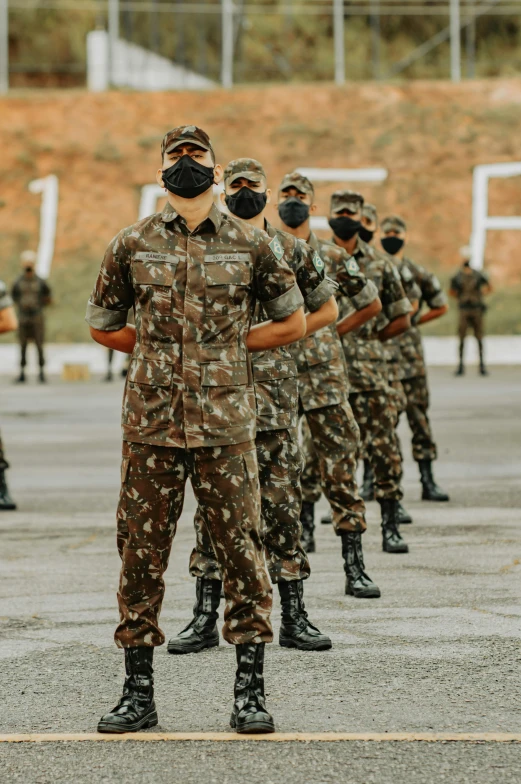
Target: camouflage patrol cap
393 223
248 168
346 200
298 181
184 135
369 211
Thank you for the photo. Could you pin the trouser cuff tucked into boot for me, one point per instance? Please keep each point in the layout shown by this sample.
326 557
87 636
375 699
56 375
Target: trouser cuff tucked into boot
202 631
296 630
430 490
136 709
358 582
392 541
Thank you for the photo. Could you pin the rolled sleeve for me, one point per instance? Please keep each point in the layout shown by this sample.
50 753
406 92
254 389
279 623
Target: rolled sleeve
104 319
368 294
323 292
399 308
283 306
5 301
438 301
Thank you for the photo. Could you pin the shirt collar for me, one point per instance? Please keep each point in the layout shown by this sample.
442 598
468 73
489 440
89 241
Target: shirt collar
313 241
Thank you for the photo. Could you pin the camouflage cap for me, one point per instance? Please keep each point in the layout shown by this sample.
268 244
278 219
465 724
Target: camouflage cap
298 181
184 135
346 200
466 252
248 168
369 211
394 223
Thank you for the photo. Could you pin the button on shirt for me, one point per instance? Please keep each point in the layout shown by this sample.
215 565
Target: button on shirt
194 292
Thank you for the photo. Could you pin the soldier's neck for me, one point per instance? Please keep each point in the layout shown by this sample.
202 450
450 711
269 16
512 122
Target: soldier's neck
348 245
194 211
258 221
302 232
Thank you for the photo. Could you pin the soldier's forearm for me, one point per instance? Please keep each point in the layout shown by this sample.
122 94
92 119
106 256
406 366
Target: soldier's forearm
432 314
122 340
395 327
272 334
8 320
359 317
326 314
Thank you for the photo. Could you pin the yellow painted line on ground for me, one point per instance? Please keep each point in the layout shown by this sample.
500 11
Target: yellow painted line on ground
276 737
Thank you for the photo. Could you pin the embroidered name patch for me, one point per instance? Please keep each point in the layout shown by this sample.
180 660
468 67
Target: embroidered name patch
276 247
317 262
159 257
223 258
352 267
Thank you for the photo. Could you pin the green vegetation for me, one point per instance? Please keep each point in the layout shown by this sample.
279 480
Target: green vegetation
47 46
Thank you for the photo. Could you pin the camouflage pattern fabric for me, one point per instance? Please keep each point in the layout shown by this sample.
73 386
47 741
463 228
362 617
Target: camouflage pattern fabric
331 442
473 320
410 343
468 286
190 383
5 302
32 331
226 486
280 464
364 352
319 357
275 372
30 295
392 352
417 392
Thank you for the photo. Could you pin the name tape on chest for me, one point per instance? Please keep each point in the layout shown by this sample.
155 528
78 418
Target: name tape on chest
161 258
351 266
276 247
224 258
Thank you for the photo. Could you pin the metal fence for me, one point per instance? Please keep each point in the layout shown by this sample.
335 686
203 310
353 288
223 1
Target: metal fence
219 27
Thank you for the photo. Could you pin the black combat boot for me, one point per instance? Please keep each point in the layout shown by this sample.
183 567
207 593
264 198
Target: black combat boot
327 519
41 377
392 541
460 369
201 632
296 631
6 502
482 369
21 378
249 714
431 491
367 489
358 582
136 709
402 515
307 518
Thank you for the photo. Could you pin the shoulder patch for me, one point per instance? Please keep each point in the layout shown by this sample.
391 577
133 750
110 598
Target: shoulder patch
276 247
351 266
317 262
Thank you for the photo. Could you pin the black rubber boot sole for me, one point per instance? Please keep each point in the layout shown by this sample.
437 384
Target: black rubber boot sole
366 593
179 649
439 500
7 507
326 520
291 642
150 720
395 550
261 726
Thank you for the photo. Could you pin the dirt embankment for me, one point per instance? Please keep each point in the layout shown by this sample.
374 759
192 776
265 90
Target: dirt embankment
104 148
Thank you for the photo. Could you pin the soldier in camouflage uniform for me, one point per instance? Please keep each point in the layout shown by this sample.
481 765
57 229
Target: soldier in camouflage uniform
31 295
278 453
413 371
194 276
7 324
369 396
323 391
469 286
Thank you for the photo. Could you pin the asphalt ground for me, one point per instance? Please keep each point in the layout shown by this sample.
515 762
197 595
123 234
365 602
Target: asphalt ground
439 652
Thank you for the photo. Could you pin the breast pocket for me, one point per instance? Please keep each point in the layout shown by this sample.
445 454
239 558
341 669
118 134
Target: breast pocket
225 394
148 394
227 288
153 283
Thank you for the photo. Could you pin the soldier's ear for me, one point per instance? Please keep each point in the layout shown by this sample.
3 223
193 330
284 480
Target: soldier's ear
312 208
268 195
217 173
159 178
222 197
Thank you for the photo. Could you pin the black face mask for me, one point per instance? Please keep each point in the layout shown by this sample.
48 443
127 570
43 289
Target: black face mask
187 178
293 212
246 203
366 234
466 263
345 227
29 269
392 245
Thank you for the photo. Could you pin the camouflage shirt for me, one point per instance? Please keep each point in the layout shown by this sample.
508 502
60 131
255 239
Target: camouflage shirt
5 299
31 295
393 354
468 287
410 343
364 352
275 372
319 357
194 292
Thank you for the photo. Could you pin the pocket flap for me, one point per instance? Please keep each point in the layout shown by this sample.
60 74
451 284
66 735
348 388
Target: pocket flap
150 372
266 371
227 274
154 273
224 374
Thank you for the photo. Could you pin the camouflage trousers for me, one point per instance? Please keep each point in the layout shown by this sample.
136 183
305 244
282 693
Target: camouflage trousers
226 486
376 416
400 404
331 442
280 466
31 330
3 462
417 392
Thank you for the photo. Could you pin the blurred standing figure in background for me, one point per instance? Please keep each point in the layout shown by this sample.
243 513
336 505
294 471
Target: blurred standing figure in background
8 323
31 295
469 286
